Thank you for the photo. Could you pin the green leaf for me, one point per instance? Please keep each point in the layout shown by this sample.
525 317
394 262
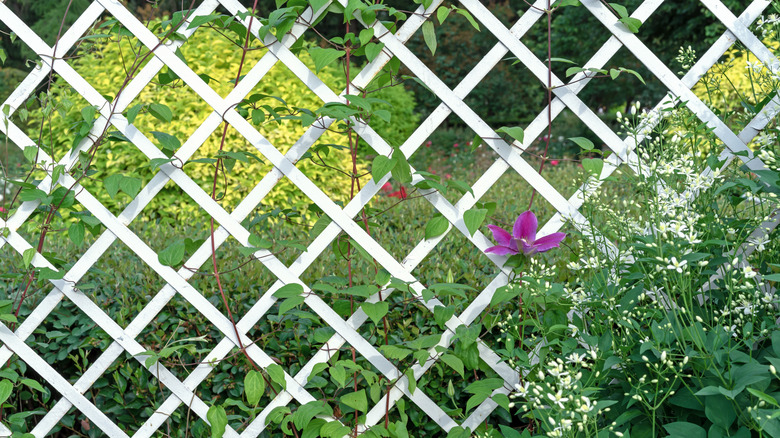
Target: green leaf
323 57
218 419
455 363
131 186
382 277
365 36
316 5
765 397
305 413
504 294
173 254
515 132
5 390
203 19
436 226
28 255
380 166
429 35
442 314
259 242
289 290
33 195
632 24
442 13
167 141
30 383
254 387
473 219
506 431
459 432
395 352
161 112
154 163
620 9
685 429
632 72
76 233
373 50
468 16
133 112
290 303
9 317
276 373
356 400
334 429
111 183
319 226
3 56
410 378
720 411
375 311
583 142
593 165
30 152
402 171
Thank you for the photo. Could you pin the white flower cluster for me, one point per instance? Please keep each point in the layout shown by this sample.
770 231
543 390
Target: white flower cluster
765 24
559 389
769 158
686 58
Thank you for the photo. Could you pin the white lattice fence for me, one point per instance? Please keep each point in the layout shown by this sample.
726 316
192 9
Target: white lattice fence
183 392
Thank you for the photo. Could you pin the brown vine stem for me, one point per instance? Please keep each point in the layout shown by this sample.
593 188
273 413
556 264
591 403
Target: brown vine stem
218 165
549 13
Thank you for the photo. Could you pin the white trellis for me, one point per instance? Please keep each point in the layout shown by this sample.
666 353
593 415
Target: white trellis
509 41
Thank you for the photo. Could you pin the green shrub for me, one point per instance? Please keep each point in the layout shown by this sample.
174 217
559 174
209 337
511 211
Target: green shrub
207 53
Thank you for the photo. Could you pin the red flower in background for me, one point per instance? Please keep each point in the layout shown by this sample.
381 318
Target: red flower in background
387 187
554 162
400 194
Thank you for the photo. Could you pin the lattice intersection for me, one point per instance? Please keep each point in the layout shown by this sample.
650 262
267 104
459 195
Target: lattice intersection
509 42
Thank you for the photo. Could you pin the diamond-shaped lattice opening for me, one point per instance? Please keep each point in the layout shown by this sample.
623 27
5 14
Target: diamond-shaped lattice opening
286 221
398 223
242 167
120 283
449 156
106 64
691 24
180 336
736 105
512 196
354 384
455 260
68 340
436 384
160 224
135 396
214 42
14 369
12 281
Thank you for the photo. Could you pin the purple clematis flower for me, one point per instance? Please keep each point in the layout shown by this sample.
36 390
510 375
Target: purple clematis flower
523 237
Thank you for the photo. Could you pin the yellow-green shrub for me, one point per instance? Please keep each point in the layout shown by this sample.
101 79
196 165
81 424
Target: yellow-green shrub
739 80
208 53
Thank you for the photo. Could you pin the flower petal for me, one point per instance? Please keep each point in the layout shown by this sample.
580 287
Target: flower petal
500 235
525 227
549 242
501 250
